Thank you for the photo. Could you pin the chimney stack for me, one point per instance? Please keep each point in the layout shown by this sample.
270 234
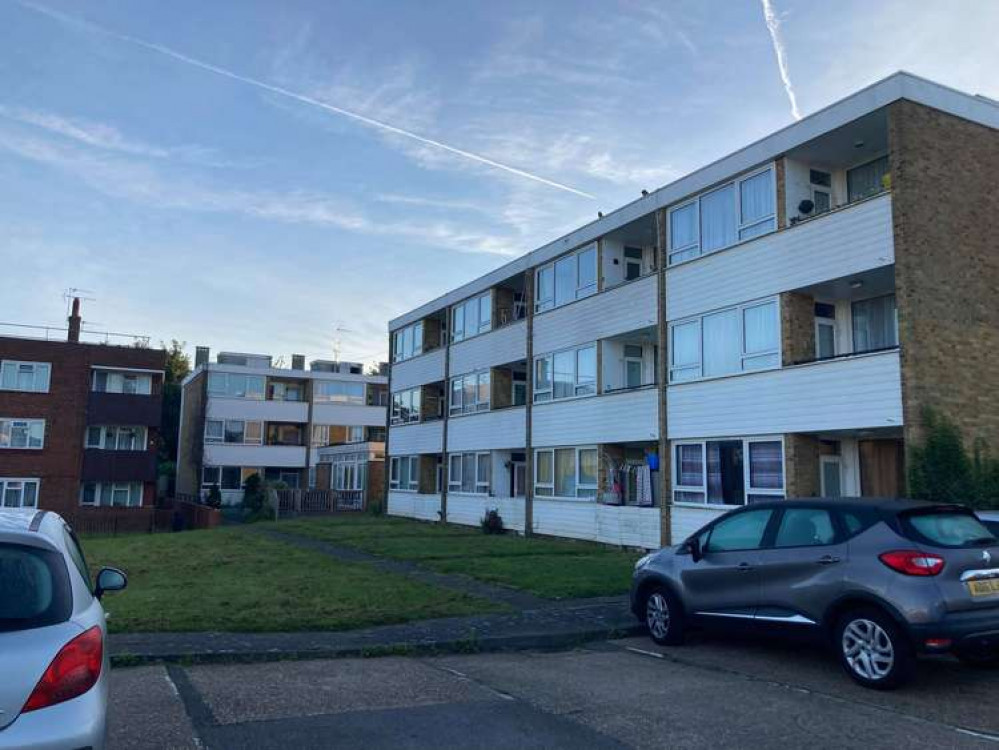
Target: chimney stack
74 322
201 355
297 361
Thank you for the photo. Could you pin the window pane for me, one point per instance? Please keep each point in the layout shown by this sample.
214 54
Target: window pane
565 280
485 312
718 219
726 481
482 474
805 527
471 317
418 339
722 344
458 322
564 373
407 343
469 392
546 288
588 466
93 437
586 371
253 433
544 470
690 465
874 324
683 228
761 328
766 466
231 478
468 472
825 340
740 532
565 472
587 270
456 393
543 374
483 394
866 179
234 431
757 196
685 352
29 495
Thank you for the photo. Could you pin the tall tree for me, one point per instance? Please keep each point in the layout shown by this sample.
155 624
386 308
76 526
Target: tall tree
178 367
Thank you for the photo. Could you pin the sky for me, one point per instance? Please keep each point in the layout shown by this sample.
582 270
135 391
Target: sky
274 177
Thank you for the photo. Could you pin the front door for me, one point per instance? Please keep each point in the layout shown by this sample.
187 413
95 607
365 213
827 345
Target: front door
881 463
519 478
831 468
725 582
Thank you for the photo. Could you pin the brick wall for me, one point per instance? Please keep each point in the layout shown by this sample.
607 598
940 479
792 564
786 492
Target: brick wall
376 483
945 211
801 462
191 439
797 330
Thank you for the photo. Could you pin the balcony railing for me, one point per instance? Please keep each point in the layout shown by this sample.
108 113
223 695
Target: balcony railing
843 355
119 466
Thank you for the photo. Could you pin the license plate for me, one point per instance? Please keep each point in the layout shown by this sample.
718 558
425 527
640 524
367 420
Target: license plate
986 587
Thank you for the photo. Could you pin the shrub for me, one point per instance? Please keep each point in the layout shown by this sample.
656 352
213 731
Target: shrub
255 504
492 523
214 499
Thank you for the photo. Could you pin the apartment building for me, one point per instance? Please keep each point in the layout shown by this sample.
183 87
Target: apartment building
243 415
771 325
79 422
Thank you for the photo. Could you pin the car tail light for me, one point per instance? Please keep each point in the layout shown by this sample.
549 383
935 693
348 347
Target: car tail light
73 672
912 562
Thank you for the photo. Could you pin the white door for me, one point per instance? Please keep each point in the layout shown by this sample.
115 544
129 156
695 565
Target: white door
831 472
519 478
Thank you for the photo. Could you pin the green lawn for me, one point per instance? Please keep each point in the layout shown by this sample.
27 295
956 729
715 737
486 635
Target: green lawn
232 579
552 568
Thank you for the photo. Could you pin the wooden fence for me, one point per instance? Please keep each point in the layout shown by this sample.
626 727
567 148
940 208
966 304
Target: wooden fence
170 515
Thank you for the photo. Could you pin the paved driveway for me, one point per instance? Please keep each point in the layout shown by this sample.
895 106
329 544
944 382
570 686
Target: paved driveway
609 695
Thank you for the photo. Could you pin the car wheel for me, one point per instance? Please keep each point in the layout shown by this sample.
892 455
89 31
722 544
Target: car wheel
873 650
664 617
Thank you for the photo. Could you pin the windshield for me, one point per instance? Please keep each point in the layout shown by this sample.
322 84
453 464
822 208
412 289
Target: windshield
34 588
950 529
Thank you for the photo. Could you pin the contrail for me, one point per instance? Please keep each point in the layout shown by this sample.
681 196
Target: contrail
773 25
369 121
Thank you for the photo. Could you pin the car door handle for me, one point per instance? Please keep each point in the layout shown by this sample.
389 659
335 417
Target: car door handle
744 567
828 560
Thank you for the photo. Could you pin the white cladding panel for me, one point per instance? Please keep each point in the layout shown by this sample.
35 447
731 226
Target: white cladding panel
592 521
848 241
406 440
854 393
353 415
412 505
427 368
498 347
493 430
287 456
266 411
625 308
610 418
469 510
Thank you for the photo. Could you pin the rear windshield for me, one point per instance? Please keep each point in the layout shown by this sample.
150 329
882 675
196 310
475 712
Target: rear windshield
948 529
34 588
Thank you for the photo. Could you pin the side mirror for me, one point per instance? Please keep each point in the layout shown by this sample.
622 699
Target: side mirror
109 579
696 553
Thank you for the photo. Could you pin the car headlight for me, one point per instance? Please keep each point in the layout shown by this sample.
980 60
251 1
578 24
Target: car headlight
642 562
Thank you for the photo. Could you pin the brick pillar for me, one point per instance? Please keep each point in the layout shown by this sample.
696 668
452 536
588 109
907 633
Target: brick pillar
797 329
801 462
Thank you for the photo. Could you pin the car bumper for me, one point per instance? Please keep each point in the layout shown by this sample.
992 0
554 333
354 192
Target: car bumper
73 725
976 631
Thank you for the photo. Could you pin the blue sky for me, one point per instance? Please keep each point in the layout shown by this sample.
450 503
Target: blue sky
205 207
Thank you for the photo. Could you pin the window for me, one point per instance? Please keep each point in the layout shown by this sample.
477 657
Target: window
226 477
875 324
633 366
338 392
22 433
470 393
232 385
742 209
407 342
111 494
284 392
743 531
105 381
569 278
825 330
25 376
115 438
740 339
320 435
805 527
234 431
18 493
566 374
35 589
468 473
866 180
355 434
632 263
566 472
406 406
728 472
472 317
214 430
404 473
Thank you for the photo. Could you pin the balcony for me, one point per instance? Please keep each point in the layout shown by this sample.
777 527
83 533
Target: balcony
118 466
412 439
621 417
500 429
264 411
352 414
499 346
422 369
124 408
277 456
856 392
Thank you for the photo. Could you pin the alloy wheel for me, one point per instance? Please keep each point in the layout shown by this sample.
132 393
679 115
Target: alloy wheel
657 615
868 649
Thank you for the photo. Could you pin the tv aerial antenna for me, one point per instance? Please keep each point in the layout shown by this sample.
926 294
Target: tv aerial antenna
74 292
338 330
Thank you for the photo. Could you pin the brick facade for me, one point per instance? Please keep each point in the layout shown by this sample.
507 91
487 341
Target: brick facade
944 209
66 409
797 329
801 462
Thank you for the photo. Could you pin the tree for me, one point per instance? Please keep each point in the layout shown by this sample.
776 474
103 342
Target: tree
941 470
178 367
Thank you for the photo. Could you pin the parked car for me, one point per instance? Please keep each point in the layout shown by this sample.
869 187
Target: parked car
881 580
54 690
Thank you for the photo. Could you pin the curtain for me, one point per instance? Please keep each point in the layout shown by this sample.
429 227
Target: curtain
690 463
565 280
564 374
756 196
586 370
587 272
588 466
874 324
722 343
865 180
766 466
718 219
544 472
683 232
468 472
684 355
565 472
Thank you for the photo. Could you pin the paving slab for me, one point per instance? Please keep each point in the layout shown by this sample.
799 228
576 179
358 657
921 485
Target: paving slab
146 712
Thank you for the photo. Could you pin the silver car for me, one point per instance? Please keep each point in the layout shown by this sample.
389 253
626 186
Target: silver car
880 580
54 690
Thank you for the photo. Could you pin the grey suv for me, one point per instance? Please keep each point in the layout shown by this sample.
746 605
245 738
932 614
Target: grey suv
882 580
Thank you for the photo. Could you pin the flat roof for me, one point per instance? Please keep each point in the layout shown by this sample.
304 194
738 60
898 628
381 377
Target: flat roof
279 372
900 85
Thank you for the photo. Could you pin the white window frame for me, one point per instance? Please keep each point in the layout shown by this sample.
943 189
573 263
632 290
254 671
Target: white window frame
248 393
475 406
39 371
115 382
26 424
406 344
593 487
107 490
405 398
580 388
481 484
482 326
395 476
740 226
744 355
355 434
746 471
142 440
581 291
23 482
320 435
821 323
343 397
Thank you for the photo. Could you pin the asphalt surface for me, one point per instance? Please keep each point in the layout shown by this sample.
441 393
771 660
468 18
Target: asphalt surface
619 694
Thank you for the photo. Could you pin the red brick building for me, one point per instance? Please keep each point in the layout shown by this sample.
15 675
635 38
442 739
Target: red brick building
79 423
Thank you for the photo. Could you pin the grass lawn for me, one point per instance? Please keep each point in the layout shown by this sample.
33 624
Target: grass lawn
552 568
231 579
